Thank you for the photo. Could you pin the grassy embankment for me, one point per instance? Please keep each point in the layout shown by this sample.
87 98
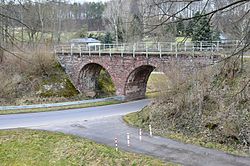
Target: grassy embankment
32 147
139 119
25 83
212 112
38 78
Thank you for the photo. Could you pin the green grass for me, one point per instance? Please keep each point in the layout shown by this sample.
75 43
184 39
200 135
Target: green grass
151 95
22 147
157 82
138 120
182 39
65 36
102 103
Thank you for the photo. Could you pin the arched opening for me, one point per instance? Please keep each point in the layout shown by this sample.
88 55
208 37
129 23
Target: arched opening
136 83
95 81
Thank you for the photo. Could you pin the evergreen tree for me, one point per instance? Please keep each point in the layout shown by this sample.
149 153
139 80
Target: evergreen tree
180 27
108 39
170 32
216 35
189 28
84 31
201 29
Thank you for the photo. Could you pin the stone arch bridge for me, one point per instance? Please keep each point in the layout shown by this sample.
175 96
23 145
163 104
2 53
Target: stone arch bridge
130 65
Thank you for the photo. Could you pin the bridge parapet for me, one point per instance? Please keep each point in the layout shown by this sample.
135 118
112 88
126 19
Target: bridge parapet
151 48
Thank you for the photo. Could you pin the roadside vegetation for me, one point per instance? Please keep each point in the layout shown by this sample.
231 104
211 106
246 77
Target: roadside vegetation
210 108
34 78
32 147
38 78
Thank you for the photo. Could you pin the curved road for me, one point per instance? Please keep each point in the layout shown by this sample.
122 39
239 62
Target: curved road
55 117
103 124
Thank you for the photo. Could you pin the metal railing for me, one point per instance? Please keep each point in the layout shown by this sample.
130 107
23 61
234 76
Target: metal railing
148 48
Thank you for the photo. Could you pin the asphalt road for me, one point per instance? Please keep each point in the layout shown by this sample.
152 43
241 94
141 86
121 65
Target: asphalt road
57 117
103 124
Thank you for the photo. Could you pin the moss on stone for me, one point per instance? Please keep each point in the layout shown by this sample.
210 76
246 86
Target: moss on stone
57 84
105 85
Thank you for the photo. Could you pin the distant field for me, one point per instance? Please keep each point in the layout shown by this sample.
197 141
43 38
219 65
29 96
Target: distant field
42 148
157 82
183 39
65 36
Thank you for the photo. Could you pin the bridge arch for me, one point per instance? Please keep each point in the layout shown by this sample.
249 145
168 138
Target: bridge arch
136 82
88 78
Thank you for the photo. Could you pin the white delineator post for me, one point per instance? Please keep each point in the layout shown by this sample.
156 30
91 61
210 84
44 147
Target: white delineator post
140 133
128 139
116 144
150 130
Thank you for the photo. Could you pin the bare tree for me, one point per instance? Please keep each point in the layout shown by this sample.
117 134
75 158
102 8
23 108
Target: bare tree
114 13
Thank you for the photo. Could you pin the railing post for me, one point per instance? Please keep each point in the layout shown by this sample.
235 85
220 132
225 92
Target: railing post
171 47
89 50
176 49
122 50
110 50
71 49
99 50
185 47
55 50
62 51
160 51
193 49
146 50
212 47
217 47
134 50
201 46
80 50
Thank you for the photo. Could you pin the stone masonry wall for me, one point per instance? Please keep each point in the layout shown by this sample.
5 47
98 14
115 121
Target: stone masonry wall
129 74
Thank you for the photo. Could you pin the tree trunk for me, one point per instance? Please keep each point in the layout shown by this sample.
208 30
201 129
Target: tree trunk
1 55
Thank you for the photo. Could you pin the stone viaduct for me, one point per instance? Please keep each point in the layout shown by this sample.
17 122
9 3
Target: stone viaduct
129 70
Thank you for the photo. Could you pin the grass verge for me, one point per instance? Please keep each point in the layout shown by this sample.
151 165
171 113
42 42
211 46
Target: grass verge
33 147
136 120
18 111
